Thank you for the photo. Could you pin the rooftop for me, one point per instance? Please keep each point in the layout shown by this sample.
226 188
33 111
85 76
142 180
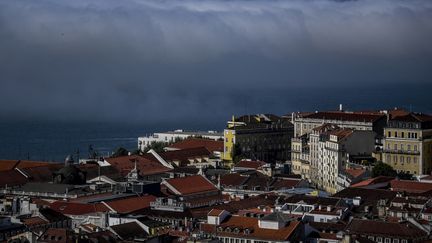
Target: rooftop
210 145
249 228
372 227
346 116
190 185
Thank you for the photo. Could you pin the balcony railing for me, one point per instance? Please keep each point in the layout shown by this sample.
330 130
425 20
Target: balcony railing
399 151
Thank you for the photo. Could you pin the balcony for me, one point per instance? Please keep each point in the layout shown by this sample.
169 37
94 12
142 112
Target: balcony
398 151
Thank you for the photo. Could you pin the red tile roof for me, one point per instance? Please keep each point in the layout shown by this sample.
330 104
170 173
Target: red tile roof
11 178
41 173
234 179
71 208
215 212
355 172
21 164
191 184
413 117
256 232
185 155
410 186
56 235
373 181
210 145
250 164
132 204
34 221
399 230
341 133
147 165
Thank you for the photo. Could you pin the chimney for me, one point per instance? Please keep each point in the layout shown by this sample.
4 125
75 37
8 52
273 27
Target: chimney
340 107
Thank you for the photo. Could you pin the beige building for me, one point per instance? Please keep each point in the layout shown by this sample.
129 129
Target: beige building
300 157
407 143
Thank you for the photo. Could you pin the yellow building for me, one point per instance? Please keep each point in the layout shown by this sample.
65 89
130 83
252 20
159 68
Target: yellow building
407 144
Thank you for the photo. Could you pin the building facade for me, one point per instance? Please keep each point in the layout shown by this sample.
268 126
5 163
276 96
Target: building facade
304 123
300 156
330 147
258 137
172 136
408 143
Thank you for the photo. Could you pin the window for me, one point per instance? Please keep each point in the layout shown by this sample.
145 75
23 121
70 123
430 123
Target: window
408 160
415 147
409 147
402 159
395 240
387 240
395 159
402 147
395 146
389 134
379 239
403 135
395 134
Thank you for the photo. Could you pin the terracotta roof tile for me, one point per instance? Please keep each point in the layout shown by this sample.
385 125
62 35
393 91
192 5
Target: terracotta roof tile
373 181
132 204
256 232
71 208
12 178
184 155
355 172
21 164
191 184
34 221
210 145
215 212
147 165
250 164
402 230
410 186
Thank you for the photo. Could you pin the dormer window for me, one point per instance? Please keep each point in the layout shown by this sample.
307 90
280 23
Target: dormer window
228 229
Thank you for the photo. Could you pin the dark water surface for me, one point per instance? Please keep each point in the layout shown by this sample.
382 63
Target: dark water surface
53 141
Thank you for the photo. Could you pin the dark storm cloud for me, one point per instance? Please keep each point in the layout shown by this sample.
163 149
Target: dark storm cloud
175 60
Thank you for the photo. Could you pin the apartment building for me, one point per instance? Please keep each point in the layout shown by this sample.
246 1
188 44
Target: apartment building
300 157
304 123
262 137
330 147
408 143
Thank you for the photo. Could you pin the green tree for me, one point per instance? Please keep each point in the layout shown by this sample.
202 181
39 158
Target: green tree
382 169
156 146
120 152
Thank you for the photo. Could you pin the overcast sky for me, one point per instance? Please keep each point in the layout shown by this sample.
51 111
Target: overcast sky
158 60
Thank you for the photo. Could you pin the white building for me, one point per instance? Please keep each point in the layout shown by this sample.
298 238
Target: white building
304 123
171 136
330 147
